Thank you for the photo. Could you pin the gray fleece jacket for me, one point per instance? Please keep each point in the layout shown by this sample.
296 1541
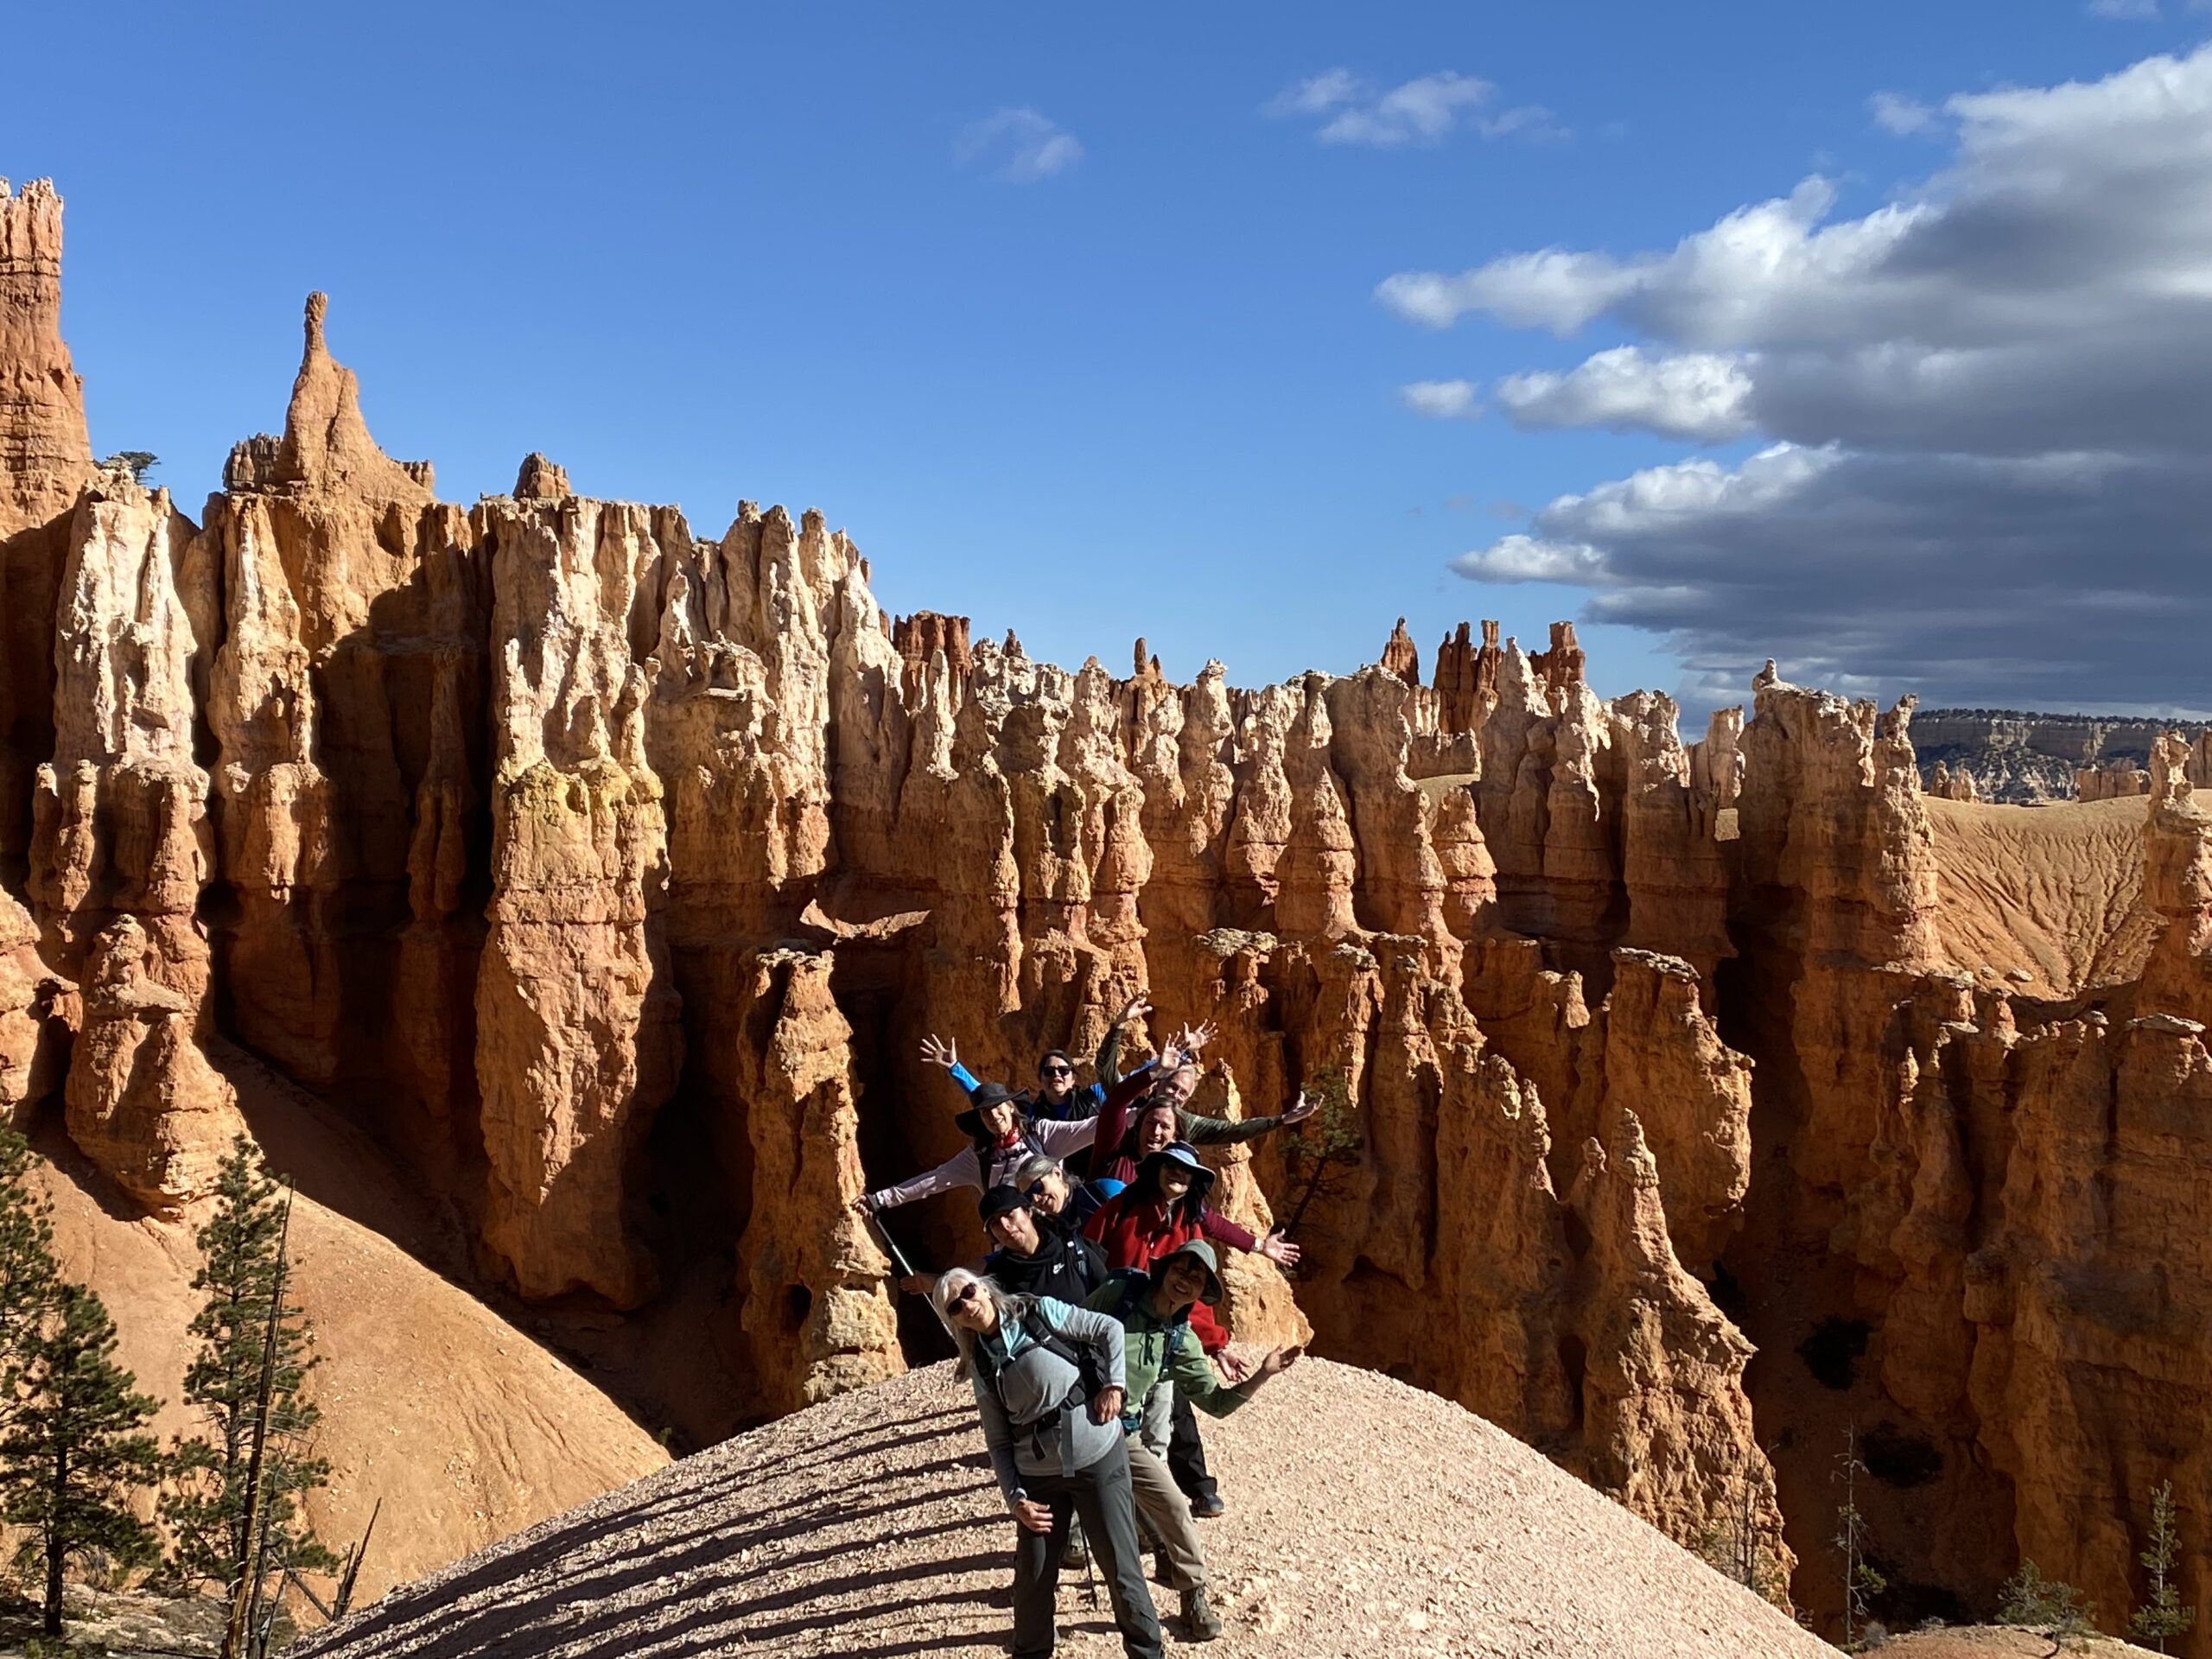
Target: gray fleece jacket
1032 1381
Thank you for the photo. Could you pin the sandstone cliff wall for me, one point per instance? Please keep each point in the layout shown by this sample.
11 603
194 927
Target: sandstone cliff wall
610 876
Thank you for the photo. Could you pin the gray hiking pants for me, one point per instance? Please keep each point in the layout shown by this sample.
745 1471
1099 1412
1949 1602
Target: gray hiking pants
1102 1496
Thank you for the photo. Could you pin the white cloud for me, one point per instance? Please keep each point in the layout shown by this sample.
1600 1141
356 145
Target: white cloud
1424 110
2125 11
1525 558
1700 395
1019 146
1895 112
1983 402
1331 89
1441 400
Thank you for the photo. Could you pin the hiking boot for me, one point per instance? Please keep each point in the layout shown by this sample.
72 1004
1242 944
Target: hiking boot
1077 1552
1209 1507
1200 1622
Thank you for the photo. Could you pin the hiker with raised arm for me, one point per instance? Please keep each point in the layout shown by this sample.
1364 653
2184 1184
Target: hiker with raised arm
1000 1141
1161 1352
1164 1208
1057 1095
1149 1108
1050 1387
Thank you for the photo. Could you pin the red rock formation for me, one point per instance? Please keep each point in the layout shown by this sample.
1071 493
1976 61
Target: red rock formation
539 479
34 1022
1561 665
45 459
922 635
2177 889
1466 679
2118 780
1947 786
1400 656
578 1036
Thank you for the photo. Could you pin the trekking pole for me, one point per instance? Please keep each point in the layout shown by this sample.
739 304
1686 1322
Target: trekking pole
897 1256
906 1267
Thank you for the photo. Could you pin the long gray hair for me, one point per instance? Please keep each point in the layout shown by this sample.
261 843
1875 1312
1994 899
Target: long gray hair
950 1283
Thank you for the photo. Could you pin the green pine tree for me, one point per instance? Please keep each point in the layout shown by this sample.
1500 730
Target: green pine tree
2037 1603
1862 1582
2163 1617
1328 1141
70 1459
29 1276
254 1346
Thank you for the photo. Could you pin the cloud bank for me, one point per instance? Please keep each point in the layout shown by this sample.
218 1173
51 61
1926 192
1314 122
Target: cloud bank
1984 406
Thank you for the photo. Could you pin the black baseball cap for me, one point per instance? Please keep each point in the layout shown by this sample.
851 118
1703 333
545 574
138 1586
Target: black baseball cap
1000 1199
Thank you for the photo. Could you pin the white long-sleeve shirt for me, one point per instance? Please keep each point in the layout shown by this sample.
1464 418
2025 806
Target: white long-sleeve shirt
965 1168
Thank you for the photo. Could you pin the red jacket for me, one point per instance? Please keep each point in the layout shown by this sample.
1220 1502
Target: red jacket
1134 1238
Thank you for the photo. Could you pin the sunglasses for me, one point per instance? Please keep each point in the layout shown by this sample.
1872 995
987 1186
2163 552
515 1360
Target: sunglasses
1056 1070
968 1294
1035 1189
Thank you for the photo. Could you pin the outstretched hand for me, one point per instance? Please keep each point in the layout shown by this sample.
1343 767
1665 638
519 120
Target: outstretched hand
1279 1361
937 1051
1106 1405
1279 1249
1136 1009
1193 1039
1171 1056
1301 1108
1233 1370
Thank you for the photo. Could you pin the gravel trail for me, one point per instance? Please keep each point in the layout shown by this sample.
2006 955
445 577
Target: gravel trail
1366 1518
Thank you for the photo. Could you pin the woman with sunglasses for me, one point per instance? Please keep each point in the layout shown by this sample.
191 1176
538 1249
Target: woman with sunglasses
1054 1436
1161 1210
1057 1096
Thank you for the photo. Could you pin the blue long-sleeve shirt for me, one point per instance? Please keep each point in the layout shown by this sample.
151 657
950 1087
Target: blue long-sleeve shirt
1080 1104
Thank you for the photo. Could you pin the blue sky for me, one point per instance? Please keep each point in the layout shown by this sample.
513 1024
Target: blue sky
1073 321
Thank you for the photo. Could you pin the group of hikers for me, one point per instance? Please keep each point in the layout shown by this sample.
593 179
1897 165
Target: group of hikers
1089 1335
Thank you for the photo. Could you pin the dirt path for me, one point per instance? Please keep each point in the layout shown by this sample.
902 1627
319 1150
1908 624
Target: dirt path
1366 1518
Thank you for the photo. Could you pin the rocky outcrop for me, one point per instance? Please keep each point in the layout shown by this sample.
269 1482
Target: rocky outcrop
2034 759
45 459
144 1102
2116 782
578 1036
122 842
2177 889
1947 786
37 1013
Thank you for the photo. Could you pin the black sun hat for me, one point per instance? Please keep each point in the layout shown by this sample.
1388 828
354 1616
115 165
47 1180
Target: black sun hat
970 1121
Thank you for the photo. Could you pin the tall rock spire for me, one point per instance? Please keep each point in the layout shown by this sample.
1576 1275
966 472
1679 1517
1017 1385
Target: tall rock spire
45 455
326 443
45 459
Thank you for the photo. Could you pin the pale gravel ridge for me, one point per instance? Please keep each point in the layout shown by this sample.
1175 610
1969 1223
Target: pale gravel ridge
1365 1517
